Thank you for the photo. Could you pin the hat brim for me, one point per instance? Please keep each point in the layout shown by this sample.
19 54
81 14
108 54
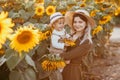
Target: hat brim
55 19
69 18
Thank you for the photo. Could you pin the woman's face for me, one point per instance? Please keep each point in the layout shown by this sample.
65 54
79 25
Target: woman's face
79 24
59 24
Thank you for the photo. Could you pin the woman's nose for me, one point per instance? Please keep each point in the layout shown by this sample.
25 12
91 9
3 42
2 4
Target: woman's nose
77 24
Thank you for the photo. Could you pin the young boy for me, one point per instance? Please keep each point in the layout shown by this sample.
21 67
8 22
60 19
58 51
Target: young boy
58 34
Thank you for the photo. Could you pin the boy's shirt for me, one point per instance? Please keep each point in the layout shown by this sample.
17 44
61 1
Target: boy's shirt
56 36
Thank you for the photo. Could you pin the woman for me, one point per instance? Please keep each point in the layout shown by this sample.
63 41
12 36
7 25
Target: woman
80 26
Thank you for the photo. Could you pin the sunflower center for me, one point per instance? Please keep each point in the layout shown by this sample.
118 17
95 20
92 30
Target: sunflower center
104 19
82 5
24 37
50 10
39 10
99 0
40 1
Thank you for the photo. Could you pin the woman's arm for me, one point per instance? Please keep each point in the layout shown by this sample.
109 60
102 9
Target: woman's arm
80 50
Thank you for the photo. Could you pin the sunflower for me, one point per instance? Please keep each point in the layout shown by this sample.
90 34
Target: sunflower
52 62
97 30
40 1
62 11
70 42
2 51
60 64
105 19
117 11
83 0
49 65
5 27
93 13
106 6
83 5
39 10
41 36
44 35
99 1
24 38
50 10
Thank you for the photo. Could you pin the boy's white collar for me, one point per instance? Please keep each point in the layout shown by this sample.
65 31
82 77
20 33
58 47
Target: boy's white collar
58 32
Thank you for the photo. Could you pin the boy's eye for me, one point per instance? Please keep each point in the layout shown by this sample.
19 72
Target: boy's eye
61 23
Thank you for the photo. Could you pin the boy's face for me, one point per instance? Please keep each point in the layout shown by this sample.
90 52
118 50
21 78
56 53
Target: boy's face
59 24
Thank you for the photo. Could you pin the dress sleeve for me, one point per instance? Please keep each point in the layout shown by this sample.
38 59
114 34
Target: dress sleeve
55 42
78 51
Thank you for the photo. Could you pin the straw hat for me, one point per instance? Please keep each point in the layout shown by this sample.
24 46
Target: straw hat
55 17
83 11
69 18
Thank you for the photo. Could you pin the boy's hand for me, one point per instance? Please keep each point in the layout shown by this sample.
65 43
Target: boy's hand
63 36
71 39
67 44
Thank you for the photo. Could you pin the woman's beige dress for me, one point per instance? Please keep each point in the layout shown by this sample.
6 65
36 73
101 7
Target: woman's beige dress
72 71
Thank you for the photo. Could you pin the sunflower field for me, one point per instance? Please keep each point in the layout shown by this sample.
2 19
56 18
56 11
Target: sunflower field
25 33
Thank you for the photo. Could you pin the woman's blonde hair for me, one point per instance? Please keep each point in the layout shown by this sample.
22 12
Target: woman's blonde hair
87 34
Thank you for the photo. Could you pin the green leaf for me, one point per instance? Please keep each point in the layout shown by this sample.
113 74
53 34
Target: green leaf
2 60
15 75
29 74
33 20
25 15
32 52
15 15
30 61
22 11
11 13
22 77
28 23
14 60
9 53
29 4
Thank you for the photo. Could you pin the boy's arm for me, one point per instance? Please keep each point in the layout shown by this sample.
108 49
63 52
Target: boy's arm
55 43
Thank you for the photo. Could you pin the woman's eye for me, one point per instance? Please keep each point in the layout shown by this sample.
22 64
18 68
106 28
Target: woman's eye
80 21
